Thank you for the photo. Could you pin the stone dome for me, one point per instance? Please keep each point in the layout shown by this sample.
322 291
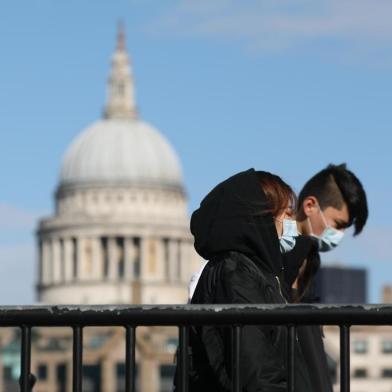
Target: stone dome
117 151
121 149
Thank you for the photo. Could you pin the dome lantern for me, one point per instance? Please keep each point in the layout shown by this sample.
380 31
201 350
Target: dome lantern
121 90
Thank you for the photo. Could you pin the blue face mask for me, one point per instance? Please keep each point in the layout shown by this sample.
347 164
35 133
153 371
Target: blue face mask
329 238
287 240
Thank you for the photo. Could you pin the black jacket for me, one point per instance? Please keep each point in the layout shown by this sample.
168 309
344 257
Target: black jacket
309 336
239 239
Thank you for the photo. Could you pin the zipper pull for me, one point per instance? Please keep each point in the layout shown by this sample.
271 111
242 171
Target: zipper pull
280 290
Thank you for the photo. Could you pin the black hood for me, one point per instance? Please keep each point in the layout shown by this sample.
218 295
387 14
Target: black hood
232 217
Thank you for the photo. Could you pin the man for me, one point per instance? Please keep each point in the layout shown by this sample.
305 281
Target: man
329 203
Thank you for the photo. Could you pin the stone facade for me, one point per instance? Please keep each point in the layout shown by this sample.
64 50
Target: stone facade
116 246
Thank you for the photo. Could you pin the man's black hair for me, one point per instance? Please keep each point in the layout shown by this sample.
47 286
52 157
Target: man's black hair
334 186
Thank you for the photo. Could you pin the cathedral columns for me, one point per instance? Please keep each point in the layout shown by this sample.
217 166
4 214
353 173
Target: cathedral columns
55 260
149 374
179 260
79 257
172 260
175 259
151 258
160 255
97 273
67 259
46 262
143 258
108 375
112 258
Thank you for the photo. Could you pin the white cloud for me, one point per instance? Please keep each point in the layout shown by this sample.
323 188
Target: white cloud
356 25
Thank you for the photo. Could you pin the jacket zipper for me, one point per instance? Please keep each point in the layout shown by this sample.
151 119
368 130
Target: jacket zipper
280 290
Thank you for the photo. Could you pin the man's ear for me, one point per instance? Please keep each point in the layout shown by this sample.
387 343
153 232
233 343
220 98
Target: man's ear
309 205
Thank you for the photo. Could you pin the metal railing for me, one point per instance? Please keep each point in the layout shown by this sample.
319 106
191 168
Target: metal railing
184 316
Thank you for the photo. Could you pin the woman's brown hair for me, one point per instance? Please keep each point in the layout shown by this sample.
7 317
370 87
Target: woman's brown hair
279 194
306 277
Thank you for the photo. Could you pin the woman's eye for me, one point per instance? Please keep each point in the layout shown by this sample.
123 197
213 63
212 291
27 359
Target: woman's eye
290 214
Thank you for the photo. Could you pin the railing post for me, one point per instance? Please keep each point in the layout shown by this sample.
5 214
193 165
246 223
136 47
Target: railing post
130 375
235 352
183 359
291 332
25 359
77 359
345 358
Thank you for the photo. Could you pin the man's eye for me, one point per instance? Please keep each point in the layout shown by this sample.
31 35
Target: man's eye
340 225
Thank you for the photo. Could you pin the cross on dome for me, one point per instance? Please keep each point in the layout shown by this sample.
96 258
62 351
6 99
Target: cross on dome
121 37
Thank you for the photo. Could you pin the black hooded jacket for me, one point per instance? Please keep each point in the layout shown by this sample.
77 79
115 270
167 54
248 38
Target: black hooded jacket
233 232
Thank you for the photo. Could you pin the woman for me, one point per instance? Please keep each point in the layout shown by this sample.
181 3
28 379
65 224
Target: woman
241 228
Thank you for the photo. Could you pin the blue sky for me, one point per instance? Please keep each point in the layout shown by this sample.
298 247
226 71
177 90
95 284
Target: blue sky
286 86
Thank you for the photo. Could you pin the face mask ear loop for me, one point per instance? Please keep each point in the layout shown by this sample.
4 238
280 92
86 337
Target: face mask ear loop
323 217
310 225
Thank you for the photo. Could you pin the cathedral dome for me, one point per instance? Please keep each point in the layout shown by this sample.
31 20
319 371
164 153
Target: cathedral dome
123 151
120 149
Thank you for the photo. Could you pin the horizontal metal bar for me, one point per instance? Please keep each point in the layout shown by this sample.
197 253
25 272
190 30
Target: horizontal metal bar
196 315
